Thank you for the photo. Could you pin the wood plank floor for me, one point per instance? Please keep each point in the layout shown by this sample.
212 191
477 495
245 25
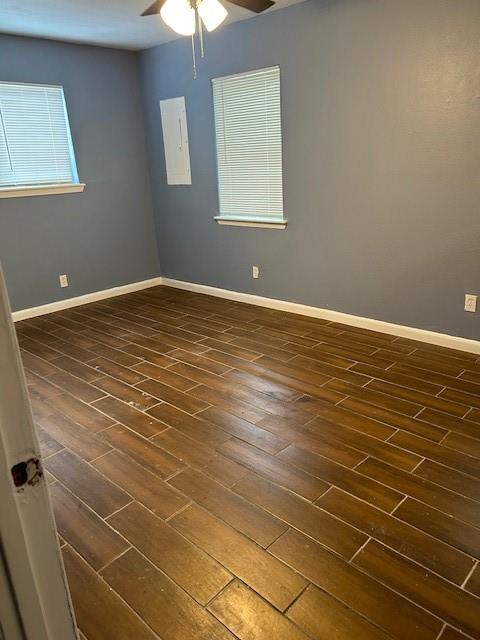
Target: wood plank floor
221 471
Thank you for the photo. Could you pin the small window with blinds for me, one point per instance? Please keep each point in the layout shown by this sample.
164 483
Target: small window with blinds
35 142
248 132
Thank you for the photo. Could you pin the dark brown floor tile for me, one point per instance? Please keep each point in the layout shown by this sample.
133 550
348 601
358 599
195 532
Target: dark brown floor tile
115 370
251 433
406 539
275 469
145 487
100 613
257 524
84 530
434 495
80 389
396 615
349 480
82 442
473 583
192 426
200 456
145 425
168 610
449 478
86 483
440 525
135 397
143 451
435 594
308 518
253 565
188 566
323 617
81 413
248 616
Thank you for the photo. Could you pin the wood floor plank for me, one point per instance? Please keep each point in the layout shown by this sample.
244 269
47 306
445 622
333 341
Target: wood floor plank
99 611
76 368
380 449
192 426
136 397
189 567
308 518
273 580
143 451
144 486
405 539
167 609
81 413
350 481
251 618
257 524
200 456
473 583
437 453
441 526
437 595
434 495
178 399
85 444
393 613
247 431
323 617
166 376
449 478
275 469
145 425
107 367
395 420
86 483
80 389
84 530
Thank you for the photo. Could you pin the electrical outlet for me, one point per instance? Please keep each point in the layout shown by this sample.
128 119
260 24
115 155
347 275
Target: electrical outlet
255 272
63 281
470 303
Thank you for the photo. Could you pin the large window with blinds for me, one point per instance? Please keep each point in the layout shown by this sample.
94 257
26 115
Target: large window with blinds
35 142
248 132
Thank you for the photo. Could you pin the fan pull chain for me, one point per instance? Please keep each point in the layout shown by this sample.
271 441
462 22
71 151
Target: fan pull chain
194 58
200 35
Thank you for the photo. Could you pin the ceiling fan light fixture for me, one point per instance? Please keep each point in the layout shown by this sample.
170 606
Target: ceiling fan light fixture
212 13
179 16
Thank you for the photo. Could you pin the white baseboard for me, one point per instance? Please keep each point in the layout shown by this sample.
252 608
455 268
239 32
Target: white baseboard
68 303
422 335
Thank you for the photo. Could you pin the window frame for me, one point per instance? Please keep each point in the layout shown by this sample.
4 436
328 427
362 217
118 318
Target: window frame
238 220
48 188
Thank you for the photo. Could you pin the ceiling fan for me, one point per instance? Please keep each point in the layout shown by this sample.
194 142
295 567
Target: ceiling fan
185 17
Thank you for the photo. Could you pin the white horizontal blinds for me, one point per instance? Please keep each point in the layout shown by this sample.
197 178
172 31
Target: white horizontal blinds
35 145
249 144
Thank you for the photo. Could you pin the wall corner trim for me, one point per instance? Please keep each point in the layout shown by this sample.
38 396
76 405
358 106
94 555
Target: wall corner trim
68 303
421 335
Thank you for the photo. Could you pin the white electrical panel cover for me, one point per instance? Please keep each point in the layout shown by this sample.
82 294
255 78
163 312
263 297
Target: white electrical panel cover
175 140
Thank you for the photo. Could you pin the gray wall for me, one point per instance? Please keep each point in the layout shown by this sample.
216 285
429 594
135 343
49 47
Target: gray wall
381 122
104 237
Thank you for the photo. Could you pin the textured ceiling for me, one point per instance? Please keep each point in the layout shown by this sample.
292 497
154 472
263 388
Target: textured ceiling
112 23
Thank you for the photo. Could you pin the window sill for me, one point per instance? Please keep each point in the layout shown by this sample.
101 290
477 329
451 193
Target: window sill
40 190
260 223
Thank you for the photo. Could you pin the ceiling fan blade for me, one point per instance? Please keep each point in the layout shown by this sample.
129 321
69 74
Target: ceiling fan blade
254 5
154 8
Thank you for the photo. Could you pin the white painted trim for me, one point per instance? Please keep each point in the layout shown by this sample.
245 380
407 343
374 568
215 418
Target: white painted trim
422 335
24 314
41 190
230 222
